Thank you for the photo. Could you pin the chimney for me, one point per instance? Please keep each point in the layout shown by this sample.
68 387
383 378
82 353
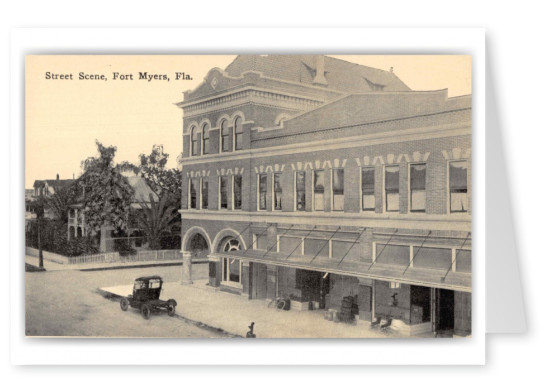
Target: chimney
319 62
57 177
391 70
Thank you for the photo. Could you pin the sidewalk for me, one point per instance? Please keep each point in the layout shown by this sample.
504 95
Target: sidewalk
233 314
54 266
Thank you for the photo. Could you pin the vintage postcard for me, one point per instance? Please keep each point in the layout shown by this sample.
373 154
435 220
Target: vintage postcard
248 196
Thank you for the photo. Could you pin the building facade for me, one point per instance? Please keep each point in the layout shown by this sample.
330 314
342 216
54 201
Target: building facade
323 181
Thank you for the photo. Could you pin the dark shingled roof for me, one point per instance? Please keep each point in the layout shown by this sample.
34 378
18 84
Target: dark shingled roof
340 75
55 183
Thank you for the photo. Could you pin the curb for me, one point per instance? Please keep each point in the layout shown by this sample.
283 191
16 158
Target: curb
197 323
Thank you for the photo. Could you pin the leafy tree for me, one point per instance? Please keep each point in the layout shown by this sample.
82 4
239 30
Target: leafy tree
59 203
157 219
163 181
106 193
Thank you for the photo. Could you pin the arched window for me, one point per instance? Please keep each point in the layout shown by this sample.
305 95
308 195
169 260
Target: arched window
225 131
194 142
231 266
238 126
206 141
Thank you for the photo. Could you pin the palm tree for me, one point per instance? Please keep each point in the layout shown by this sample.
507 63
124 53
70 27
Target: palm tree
156 219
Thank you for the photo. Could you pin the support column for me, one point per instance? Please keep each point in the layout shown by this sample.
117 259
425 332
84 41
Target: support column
246 279
186 268
366 246
365 299
214 262
271 282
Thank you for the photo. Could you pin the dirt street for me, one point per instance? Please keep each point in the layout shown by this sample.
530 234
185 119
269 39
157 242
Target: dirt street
65 303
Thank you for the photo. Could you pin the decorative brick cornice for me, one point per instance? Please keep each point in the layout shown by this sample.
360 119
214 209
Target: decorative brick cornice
249 95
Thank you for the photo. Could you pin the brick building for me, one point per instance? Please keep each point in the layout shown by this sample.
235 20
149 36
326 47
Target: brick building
316 179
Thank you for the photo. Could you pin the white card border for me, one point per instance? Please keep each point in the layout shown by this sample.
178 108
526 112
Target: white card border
32 351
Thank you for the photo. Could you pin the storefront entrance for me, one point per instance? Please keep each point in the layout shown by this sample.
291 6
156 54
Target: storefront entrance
259 280
443 315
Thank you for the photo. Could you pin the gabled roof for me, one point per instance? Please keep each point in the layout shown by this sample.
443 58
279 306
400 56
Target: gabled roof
56 183
141 189
340 75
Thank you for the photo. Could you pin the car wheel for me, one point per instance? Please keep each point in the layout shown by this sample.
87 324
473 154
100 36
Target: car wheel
146 311
124 304
171 308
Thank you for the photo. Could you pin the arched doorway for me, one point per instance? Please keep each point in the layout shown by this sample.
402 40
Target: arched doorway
231 267
198 246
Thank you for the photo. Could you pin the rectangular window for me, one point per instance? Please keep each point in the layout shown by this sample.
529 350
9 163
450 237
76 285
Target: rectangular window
300 188
193 190
237 190
262 188
338 189
278 191
223 192
417 187
432 258
458 186
260 242
204 193
319 189
392 189
368 188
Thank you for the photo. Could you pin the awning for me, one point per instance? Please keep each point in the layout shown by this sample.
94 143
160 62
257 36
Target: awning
433 278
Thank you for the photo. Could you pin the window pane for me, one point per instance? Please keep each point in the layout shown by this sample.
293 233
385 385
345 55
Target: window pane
432 258
458 175
239 141
392 254
368 180
300 180
319 181
238 133
277 191
318 201
313 246
368 202
223 192
193 194
418 200
392 202
205 194
417 175
348 250
225 136
458 202
262 185
392 178
261 242
237 191
463 261
338 202
338 181
235 270
290 244
300 190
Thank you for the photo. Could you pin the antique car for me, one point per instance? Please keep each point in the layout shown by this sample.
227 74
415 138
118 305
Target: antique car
145 297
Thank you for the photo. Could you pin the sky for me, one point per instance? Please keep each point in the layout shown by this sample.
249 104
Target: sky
64 114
